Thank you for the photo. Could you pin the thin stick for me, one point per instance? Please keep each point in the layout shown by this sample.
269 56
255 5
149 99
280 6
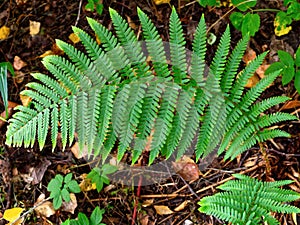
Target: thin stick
30 210
78 14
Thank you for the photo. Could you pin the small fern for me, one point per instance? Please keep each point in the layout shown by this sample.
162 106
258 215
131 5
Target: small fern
248 201
111 96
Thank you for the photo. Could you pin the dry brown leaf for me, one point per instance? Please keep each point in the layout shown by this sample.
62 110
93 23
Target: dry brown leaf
46 53
25 100
181 206
291 105
74 38
187 169
56 50
71 205
76 151
4 32
250 54
130 23
19 77
18 63
45 209
34 27
252 81
148 202
261 70
163 210
159 2
143 219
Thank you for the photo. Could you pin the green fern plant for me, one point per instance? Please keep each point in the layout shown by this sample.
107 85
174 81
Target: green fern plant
248 201
112 96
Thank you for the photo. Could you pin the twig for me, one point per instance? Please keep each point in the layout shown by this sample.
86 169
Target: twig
30 210
78 14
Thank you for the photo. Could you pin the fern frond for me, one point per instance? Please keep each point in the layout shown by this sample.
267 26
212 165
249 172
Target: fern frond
155 45
248 201
198 54
177 48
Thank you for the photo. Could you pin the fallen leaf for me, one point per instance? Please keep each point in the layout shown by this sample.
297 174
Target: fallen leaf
18 63
46 53
74 38
4 32
71 205
163 210
56 50
281 29
76 151
25 100
131 23
187 168
34 27
181 206
159 2
19 77
291 105
148 202
13 214
250 54
252 81
261 70
86 184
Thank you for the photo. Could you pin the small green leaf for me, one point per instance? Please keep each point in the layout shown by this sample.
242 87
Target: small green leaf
65 195
297 57
274 67
251 24
205 3
297 81
55 183
99 9
236 19
90 5
96 216
294 10
55 193
244 5
287 75
73 186
109 169
82 219
68 178
57 202
286 58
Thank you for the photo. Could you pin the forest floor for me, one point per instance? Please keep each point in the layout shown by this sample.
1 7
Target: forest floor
273 160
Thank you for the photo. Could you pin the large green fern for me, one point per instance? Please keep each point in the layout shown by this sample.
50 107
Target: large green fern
112 96
248 201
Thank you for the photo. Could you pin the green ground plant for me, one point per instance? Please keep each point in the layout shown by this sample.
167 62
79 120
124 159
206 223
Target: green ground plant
94 5
248 201
60 188
4 67
82 219
98 175
289 67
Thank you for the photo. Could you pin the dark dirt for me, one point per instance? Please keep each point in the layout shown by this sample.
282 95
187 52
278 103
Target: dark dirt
56 18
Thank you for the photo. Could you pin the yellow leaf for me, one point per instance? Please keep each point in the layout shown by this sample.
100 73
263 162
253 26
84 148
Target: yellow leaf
159 2
13 214
281 29
86 184
46 53
4 32
34 27
25 100
74 38
163 210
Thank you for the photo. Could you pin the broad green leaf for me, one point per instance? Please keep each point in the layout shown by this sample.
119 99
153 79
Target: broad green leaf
251 24
108 169
274 67
57 202
96 216
68 178
65 195
55 183
297 81
55 193
73 186
286 58
297 57
205 3
236 19
82 219
244 5
294 10
287 75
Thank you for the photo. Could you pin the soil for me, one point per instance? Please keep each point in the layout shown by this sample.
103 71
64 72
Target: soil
273 160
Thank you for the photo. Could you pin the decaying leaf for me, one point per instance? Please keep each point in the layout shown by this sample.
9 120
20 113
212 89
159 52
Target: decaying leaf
250 54
163 210
76 151
18 63
4 32
19 77
159 2
25 100
291 105
181 206
71 205
46 53
187 169
13 214
252 81
74 38
34 27
86 184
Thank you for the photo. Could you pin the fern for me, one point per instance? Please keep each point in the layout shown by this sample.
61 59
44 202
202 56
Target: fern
111 96
248 201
